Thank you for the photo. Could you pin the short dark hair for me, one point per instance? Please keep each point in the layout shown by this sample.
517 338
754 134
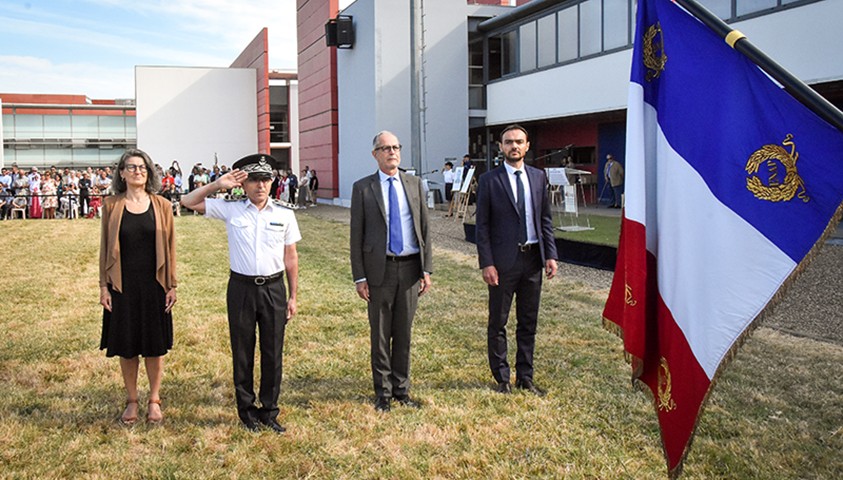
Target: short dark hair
449 164
153 183
515 126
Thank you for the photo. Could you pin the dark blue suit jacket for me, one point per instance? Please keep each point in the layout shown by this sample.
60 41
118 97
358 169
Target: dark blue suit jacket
497 218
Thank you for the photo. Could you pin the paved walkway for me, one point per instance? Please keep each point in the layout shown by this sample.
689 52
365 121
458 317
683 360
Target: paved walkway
812 307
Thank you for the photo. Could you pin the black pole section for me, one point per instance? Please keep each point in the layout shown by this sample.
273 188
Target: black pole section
802 92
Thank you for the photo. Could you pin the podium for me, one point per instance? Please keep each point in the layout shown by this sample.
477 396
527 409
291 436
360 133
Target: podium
565 196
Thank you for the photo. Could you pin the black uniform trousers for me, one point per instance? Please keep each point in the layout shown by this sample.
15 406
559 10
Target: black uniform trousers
265 307
392 306
524 282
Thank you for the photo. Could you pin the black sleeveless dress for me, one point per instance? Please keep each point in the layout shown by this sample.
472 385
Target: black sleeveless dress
137 323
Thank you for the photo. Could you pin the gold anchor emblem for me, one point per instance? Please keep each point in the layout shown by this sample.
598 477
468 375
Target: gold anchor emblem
665 402
653 51
629 298
774 157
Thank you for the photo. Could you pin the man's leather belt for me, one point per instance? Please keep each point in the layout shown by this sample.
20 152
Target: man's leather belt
396 258
259 279
527 247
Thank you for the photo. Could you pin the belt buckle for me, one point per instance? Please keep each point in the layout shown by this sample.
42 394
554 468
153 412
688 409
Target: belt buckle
525 247
260 281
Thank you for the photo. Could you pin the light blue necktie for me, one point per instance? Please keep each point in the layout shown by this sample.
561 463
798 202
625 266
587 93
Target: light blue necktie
396 236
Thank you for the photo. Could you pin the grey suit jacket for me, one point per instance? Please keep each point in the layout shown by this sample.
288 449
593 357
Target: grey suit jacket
498 219
369 226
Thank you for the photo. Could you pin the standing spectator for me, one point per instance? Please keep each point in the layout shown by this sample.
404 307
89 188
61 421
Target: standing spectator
103 182
48 191
314 185
5 180
138 279
304 188
613 174
85 192
35 210
390 264
294 185
167 181
448 178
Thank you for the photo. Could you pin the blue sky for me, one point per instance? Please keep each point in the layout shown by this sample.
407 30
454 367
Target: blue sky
90 47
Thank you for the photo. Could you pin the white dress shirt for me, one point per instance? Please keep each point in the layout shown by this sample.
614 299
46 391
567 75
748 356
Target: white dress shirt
411 244
532 237
256 238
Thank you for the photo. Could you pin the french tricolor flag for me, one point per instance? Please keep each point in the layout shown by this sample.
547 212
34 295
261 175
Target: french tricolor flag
731 184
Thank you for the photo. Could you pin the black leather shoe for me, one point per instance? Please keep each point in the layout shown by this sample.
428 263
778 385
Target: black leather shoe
252 426
408 402
272 424
503 387
382 404
528 385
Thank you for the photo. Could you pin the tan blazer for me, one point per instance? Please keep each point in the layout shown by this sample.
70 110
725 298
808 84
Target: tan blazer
369 225
165 242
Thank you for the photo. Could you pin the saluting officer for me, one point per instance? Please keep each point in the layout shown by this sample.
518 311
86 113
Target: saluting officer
262 238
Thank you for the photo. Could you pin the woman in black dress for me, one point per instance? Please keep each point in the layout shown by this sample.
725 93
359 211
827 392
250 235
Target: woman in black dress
137 279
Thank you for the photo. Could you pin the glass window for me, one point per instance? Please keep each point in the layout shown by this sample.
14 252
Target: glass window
56 126
547 40
590 29
615 21
475 98
508 44
29 126
112 127
84 126
494 67
131 127
751 6
568 34
8 126
527 50
721 8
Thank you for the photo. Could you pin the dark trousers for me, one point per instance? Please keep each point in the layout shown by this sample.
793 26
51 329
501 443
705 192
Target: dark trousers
524 282
392 306
264 307
617 191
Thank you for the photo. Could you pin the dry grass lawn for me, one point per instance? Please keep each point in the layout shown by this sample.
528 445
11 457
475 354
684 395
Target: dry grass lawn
777 413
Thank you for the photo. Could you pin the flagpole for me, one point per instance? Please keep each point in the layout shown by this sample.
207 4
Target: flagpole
738 41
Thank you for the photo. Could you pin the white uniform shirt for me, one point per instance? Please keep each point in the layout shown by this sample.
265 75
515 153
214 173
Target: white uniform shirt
532 237
256 238
448 176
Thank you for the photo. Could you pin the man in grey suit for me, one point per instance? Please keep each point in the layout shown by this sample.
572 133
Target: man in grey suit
391 265
514 243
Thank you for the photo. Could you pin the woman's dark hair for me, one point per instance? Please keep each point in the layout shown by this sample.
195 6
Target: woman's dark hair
153 183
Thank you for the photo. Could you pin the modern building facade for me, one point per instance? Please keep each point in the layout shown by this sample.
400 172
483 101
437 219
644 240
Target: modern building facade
188 114
65 130
448 75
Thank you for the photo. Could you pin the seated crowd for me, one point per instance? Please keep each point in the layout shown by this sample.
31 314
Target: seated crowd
70 193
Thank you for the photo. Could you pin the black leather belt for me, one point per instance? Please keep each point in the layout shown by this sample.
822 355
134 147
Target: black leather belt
396 258
527 247
259 279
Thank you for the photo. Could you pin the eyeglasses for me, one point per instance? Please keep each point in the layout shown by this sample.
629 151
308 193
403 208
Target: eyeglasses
135 168
388 148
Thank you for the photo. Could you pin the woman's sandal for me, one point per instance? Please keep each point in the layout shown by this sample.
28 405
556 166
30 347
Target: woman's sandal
154 421
129 421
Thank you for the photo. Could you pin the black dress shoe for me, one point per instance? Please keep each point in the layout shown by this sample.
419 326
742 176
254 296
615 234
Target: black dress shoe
406 401
528 385
252 426
273 425
382 404
503 387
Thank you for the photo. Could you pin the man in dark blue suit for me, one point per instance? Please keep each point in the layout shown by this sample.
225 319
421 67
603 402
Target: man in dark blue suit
515 243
